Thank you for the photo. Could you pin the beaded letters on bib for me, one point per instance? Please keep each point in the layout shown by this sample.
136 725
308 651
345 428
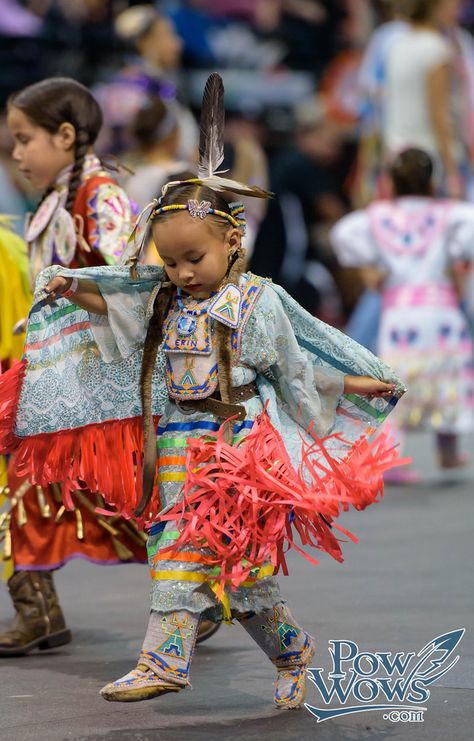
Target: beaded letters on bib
188 329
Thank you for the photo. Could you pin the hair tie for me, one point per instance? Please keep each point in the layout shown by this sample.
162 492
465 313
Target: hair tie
237 210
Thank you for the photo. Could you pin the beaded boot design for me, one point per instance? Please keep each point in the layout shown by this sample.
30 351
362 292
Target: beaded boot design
288 647
164 660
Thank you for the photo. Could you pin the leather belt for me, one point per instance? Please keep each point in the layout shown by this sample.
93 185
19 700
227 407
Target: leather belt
214 405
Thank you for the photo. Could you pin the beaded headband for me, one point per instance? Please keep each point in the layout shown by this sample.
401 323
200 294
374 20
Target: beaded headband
202 209
211 156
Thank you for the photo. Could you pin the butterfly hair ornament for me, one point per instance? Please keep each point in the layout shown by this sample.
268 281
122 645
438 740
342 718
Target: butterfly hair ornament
211 156
201 209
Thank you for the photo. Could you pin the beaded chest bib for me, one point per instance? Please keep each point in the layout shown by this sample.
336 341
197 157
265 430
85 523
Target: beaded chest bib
188 342
191 362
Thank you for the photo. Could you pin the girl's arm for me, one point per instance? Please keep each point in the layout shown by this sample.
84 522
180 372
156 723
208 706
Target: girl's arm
439 106
367 386
87 296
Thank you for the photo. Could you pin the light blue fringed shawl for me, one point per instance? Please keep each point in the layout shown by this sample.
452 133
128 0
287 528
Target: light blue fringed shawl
69 383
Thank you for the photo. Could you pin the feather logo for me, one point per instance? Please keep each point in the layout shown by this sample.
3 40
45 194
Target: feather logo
395 683
444 646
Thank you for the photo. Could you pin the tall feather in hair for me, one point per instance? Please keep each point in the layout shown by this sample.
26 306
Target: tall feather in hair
211 143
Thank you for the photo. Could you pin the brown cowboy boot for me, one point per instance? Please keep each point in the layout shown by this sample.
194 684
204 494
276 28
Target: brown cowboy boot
39 621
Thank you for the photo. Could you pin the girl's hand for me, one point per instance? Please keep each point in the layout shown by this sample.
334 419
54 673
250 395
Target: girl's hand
19 328
367 386
82 293
57 286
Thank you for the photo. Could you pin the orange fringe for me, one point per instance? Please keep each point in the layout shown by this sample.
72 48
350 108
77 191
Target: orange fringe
105 458
244 502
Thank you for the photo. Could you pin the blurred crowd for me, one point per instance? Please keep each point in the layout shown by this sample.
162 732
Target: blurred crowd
306 81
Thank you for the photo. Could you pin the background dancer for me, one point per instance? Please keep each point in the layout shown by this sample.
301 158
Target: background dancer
84 218
411 248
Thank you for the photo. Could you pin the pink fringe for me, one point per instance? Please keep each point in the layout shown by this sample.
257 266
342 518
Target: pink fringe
247 502
10 388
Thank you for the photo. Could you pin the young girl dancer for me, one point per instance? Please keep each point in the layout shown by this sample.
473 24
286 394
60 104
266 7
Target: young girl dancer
84 218
410 247
213 350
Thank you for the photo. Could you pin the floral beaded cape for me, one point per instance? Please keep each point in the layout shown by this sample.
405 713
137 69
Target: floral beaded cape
72 410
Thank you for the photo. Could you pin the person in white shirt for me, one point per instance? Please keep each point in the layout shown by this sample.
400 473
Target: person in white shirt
422 105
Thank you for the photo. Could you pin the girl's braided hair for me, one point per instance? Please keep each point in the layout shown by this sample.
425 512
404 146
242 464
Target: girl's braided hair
59 100
180 194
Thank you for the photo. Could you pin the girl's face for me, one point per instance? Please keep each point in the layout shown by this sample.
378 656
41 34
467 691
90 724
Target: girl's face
162 45
194 251
40 155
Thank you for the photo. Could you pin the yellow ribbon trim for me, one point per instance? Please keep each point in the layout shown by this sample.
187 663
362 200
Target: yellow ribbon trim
216 586
179 575
172 476
194 576
263 572
223 599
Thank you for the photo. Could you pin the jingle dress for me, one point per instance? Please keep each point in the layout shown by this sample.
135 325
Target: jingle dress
424 335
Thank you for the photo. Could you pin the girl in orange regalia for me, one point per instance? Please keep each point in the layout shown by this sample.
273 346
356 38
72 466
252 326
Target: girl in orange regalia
83 219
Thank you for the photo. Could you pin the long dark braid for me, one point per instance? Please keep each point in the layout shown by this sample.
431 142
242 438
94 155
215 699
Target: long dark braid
153 340
81 147
223 332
